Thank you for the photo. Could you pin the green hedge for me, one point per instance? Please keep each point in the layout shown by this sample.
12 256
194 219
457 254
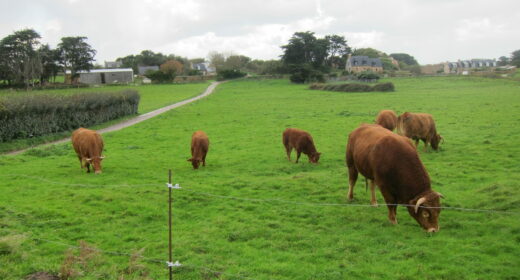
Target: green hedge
354 87
39 114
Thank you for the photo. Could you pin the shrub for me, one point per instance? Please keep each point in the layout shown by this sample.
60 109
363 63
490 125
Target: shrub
35 115
228 74
368 76
305 74
385 87
159 76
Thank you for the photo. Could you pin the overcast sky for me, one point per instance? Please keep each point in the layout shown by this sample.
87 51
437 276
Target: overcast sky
430 30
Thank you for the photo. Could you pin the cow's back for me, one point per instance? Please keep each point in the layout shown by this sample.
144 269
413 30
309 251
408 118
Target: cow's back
387 119
297 138
416 125
87 143
199 143
377 152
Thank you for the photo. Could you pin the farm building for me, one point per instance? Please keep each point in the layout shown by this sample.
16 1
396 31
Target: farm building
106 76
356 64
203 67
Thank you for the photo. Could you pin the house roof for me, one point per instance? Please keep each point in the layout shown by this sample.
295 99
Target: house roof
361 60
103 70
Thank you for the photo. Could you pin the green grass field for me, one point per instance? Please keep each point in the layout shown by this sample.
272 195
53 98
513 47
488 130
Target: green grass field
152 97
251 214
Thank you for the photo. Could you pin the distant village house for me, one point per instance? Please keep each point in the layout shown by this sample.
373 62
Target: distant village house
466 66
356 64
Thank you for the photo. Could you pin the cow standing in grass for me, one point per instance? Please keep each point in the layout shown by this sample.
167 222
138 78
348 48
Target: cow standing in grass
199 148
302 142
387 119
419 126
392 163
88 145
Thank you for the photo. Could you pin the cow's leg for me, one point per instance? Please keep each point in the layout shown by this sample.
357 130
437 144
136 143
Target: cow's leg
416 142
204 160
298 154
425 145
352 178
288 150
392 213
88 166
373 200
391 203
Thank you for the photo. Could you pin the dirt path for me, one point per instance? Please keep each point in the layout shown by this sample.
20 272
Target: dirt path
135 120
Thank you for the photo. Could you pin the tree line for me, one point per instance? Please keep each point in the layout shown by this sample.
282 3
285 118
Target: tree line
25 61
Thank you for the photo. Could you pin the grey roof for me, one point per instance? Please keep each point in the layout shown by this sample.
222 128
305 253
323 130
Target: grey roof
104 70
361 60
473 63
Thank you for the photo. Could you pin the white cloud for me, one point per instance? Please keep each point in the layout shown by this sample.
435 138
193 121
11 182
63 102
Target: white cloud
372 39
476 29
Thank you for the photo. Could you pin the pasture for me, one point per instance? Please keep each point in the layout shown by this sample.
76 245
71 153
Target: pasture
251 214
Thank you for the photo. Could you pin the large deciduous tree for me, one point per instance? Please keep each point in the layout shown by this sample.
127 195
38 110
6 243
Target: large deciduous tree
19 59
337 50
76 55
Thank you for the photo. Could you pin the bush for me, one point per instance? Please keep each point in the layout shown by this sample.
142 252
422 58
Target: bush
353 87
228 74
159 76
305 74
368 76
385 87
35 115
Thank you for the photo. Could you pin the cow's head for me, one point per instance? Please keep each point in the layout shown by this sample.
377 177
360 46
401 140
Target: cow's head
436 140
426 210
314 158
96 163
195 162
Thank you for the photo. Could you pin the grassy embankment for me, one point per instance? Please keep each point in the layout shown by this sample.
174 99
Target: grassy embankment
292 234
152 97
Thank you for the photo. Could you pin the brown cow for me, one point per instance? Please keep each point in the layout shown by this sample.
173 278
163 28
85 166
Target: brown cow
387 119
392 163
302 142
199 148
88 145
419 126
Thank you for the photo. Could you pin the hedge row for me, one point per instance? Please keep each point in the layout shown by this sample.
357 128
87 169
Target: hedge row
35 115
354 87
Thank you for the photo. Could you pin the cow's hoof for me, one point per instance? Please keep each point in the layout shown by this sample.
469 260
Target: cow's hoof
374 204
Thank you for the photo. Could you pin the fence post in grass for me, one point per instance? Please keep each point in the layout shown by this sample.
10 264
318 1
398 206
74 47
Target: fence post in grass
170 222
170 261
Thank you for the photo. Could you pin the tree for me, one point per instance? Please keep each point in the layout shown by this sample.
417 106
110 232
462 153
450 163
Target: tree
370 52
216 60
76 55
50 63
19 60
503 61
515 58
236 62
171 68
305 48
405 58
338 50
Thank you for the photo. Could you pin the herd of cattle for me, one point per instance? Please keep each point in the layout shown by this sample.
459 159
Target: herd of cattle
387 160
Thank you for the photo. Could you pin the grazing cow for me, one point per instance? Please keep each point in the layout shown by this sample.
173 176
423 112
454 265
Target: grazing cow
88 145
301 141
392 163
387 119
199 148
419 126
